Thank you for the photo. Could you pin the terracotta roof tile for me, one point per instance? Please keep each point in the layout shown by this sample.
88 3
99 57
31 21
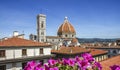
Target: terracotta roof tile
110 62
14 41
70 50
105 47
66 27
95 52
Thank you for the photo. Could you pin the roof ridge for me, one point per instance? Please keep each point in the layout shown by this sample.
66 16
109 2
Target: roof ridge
14 41
69 26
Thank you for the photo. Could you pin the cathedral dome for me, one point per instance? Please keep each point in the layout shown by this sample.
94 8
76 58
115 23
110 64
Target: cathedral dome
66 27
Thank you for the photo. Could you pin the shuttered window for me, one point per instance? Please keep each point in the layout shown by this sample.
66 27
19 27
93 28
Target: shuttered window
41 50
24 52
2 53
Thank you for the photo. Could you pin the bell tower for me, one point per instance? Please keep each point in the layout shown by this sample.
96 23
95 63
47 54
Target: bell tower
41 28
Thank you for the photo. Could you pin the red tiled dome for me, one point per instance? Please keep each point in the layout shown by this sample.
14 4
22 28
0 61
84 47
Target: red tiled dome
66 27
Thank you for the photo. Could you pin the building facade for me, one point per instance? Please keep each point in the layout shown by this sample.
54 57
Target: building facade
16 52
41 28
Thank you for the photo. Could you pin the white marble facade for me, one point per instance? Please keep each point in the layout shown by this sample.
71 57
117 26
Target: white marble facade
16 53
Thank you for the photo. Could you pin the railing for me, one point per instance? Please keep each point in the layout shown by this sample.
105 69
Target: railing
26 57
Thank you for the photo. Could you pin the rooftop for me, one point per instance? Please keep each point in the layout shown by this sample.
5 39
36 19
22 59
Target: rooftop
105 47
95 52
110 62
17 42
78 50
69 50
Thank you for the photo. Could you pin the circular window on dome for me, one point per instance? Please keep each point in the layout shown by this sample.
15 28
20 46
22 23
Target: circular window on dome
66 35
72 35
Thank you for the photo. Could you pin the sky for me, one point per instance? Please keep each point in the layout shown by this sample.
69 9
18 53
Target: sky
90 18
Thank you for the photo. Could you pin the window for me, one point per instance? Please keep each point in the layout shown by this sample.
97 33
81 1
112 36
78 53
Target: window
41 50
3 67
2 53
65 35
13 66
72 35
42 33
35 37
42 40
114 51
59 40
42 24
24 52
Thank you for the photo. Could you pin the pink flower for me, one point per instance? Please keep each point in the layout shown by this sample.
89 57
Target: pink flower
55 68
96 64
88 57
30 65
27 68
83 64
52 62
46 67
38 67
71 62
64 61
77 58
115 67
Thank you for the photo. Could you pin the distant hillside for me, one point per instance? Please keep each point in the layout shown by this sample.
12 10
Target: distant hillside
93 40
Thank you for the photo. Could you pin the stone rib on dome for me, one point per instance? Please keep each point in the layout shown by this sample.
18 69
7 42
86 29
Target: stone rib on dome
66 27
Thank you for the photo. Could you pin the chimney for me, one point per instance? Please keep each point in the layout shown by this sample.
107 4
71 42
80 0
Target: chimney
71 51
5 38
15 33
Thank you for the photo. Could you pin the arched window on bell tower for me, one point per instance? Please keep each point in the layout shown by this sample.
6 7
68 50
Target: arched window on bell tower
42 24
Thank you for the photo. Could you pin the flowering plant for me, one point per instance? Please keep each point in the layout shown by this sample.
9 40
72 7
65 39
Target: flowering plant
85 62
115 67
